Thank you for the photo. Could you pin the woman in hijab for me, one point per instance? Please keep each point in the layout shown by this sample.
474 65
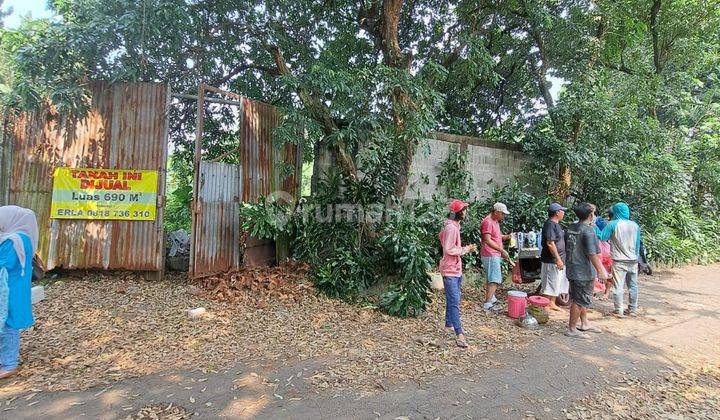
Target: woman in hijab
18 242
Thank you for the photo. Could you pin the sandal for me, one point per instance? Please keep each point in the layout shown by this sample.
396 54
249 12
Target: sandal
7 373
461 343
591 329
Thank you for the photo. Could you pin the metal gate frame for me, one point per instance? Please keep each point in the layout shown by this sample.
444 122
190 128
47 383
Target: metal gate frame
215 242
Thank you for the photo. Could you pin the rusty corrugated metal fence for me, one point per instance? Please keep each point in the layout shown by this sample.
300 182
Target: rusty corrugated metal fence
126 128
218 223
259 157
216 232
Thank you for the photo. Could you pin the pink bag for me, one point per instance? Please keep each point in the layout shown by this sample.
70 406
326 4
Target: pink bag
605 255
599 287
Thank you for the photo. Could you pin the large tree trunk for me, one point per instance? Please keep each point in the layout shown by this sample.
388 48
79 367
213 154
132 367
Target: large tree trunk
564 180
402 177
325 156
562 186
322 161
401 102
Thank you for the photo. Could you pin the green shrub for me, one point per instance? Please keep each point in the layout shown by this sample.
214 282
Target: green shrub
454 178
177 209
348 257
406 243
345 275
266 220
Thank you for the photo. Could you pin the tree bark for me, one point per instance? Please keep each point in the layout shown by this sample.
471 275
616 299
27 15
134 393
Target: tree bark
383 23
322 160
564 181
657 51
394 57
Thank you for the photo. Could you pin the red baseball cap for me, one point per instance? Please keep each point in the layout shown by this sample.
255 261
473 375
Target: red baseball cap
456 206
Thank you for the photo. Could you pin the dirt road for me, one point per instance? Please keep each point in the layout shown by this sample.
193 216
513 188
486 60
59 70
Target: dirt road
678 330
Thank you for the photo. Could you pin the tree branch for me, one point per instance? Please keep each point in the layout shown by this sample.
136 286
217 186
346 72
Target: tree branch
369 20
541 69
657 59
618 67
272 71
389 29
319 112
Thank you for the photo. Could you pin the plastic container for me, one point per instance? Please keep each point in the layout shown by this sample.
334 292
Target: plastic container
599 287
540 314
517 304
538 301
37 294
531 238
537 308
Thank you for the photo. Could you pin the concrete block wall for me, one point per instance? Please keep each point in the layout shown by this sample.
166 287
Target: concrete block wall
490 163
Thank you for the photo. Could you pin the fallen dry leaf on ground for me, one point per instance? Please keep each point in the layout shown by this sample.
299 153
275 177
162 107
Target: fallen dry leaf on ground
693 393
101 329
161 411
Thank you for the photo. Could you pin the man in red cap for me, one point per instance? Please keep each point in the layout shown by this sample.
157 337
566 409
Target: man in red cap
451 267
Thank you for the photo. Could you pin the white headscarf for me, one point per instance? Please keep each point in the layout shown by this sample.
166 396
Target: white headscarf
14 220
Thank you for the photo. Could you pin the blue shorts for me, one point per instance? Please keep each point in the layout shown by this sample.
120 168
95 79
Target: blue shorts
493 269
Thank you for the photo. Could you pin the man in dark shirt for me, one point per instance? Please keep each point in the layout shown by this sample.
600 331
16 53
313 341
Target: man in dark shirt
552 272
583 266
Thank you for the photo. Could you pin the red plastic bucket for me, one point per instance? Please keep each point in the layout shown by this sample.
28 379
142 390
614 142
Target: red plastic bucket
517 303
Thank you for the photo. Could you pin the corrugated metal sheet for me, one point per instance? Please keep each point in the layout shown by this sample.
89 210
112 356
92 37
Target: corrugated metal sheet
126 128
216 221
260 158
217 226
5 160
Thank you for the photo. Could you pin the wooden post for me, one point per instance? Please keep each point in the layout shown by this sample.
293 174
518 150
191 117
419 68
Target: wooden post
162 188
200 124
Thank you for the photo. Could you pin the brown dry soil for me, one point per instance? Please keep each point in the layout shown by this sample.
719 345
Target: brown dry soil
109 348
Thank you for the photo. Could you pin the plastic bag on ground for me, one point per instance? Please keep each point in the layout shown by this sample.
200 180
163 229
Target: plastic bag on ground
179 243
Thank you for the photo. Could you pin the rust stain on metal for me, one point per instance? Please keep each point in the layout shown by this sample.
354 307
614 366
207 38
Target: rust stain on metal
126 128
216 224
260 157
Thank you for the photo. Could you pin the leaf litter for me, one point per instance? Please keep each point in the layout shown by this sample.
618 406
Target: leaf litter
691 393
100 329
163 411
